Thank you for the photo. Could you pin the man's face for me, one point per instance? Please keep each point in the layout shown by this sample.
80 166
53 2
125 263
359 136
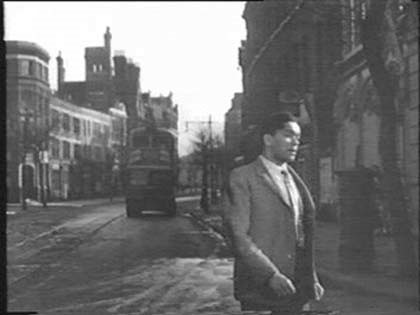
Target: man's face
283 145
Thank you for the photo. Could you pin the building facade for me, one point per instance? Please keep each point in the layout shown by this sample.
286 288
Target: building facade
85 147
28 99
127 88
233 132
109 80
286 62
160 110
357 109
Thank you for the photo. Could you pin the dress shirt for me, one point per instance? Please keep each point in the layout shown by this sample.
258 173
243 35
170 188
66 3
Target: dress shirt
277 173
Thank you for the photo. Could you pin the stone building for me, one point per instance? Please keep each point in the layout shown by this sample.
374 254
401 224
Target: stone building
286 62
99 73
233 132
28 98
357 114
160 110
127 87
109 80
83 149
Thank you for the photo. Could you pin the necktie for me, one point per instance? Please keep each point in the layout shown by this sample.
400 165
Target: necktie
293 197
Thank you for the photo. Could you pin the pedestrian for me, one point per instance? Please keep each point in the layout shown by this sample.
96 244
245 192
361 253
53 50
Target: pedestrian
269 217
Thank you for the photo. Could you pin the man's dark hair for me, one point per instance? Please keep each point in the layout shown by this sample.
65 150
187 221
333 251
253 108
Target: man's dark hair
276 122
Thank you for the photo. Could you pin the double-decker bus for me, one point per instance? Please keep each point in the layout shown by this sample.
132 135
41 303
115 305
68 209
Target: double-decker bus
151 173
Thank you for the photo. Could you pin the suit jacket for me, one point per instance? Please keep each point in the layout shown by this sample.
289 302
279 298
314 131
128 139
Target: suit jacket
260 223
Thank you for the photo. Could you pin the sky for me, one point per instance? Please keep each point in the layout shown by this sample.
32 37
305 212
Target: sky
187 48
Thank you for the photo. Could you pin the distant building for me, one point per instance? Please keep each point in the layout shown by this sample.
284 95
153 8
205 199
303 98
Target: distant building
28 97
85 145
233 132
127 88
109 80
161 110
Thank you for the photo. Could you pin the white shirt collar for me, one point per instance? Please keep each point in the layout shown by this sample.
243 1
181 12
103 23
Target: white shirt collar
273 166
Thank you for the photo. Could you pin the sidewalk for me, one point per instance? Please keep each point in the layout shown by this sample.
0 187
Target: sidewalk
382 281
66 203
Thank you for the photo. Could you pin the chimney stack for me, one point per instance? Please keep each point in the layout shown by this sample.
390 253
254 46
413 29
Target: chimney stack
60 73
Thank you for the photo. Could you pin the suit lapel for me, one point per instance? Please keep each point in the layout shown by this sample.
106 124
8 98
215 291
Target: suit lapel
308 211
268 179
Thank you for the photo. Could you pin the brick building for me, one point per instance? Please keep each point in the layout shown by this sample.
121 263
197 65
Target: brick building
28 97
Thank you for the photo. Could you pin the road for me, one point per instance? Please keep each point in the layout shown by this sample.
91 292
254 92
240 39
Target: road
101 262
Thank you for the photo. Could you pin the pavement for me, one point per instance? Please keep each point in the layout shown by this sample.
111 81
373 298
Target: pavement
382 281
13 207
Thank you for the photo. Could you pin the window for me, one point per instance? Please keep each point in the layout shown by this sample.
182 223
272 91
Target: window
40 105
96 129
39 72
24 67
66 150
66 122
55 119
55 148
46 74
32 67
77 151
85 126
76 126
354 12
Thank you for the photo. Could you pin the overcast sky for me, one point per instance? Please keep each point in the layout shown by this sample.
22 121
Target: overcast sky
189 48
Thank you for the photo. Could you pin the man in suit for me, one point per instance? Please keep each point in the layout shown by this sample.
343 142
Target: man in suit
269 215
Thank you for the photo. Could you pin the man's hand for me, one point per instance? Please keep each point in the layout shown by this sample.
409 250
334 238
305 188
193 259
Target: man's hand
319 291
281 284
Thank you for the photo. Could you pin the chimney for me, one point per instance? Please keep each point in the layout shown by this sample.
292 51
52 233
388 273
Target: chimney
107 44
60 73
107 40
